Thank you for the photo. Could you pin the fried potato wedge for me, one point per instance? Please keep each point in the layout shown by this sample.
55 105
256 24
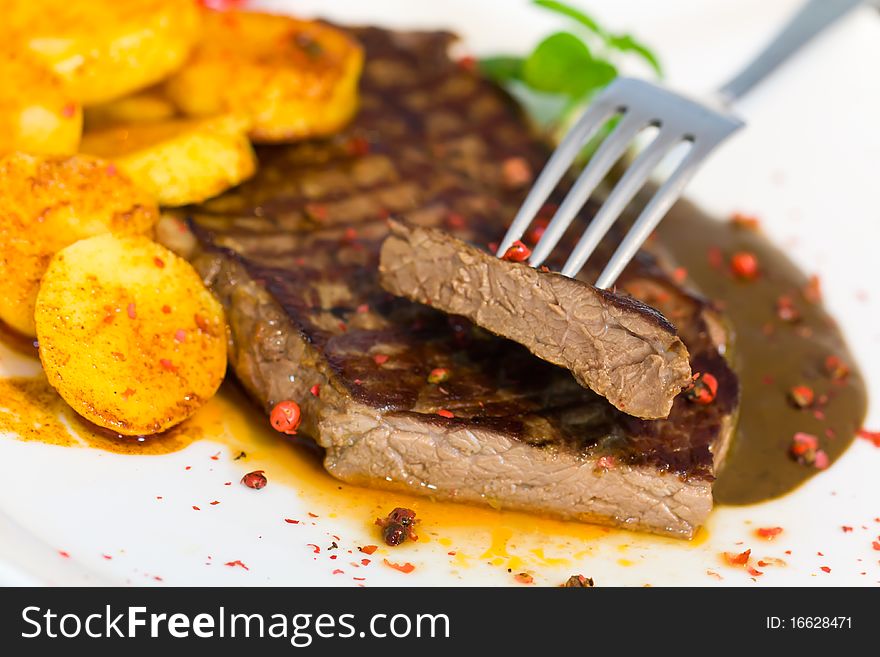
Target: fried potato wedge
292 78
37 114
148 105
103 49
47 203
129 335
178 161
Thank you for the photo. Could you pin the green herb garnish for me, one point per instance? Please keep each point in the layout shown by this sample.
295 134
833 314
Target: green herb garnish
566 69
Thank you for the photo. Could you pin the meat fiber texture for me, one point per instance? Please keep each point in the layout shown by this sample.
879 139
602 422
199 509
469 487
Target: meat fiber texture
615 345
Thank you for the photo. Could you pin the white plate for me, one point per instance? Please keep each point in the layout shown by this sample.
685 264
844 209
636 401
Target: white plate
806 164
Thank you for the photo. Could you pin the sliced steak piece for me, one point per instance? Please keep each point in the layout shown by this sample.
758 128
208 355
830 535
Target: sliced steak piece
293 256
613 344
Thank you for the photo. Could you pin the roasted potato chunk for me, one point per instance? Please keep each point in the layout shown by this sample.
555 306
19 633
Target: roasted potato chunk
292 78
37 114
47 203
129 335
148 105
179 161
103 49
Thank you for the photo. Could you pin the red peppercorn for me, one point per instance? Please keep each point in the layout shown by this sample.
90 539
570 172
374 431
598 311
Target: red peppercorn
872 436
357 146
397 527
744 265
286 417
768 533
786 310
438 375
317 211
524 578
468 63
516 172
539 227
740 559
518 252
805 450
836 368
455 220
801 396
801 443
167 365
578 582
200 321
813 290
704 389
255 480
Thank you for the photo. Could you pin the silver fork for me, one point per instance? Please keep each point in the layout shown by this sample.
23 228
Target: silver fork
640 104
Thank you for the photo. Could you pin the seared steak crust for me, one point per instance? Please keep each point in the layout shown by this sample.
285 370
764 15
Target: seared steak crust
293 256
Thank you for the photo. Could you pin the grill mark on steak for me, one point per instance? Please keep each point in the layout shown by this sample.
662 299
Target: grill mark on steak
293 257
618 347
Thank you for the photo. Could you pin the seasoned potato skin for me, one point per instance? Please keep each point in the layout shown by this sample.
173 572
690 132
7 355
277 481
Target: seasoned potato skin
292 78
103 49
37 114
178 161
129 335
47 203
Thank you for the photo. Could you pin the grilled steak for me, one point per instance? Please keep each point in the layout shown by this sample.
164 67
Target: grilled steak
293 256
615 345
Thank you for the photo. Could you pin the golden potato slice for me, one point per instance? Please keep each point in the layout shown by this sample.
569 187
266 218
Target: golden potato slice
292 78
103 49
179 161
148 105
47 203
129 335
37 114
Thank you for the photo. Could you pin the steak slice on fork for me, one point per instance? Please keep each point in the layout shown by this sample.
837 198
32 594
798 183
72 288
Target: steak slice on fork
615 345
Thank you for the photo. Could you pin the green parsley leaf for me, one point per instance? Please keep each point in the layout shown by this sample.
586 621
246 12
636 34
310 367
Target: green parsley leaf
502 68
562 64
563 72
628 43
556 63
575 14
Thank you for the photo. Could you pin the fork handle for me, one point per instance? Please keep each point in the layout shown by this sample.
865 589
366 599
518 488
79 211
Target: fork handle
807 22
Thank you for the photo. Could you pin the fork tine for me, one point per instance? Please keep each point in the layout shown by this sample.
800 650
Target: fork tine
581 132
632 181
597 168
653 212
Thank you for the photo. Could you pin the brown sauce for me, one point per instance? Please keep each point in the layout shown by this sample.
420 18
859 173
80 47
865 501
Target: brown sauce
770 356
